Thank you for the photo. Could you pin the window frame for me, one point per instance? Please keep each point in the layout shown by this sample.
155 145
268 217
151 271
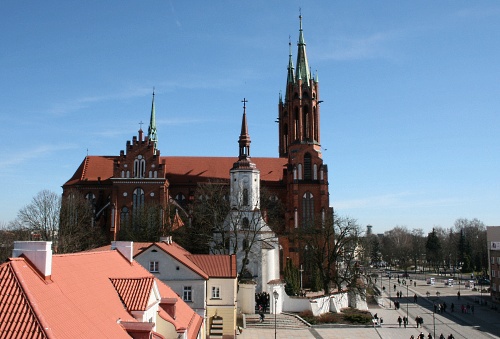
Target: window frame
154 266
187 293
215 292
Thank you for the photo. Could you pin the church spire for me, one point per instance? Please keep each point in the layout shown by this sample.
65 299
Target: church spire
290 63
152 136
303 72
244 140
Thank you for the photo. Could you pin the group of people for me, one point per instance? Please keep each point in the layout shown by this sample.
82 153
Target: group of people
441 307
419 321
403 320
429 336
262 302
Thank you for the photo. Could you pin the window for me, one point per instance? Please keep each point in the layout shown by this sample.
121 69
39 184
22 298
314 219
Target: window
153 266
492 260
124 215
187 293
498 260
493 273
215 292
307 210
245 223
138 198
245 197
307 167
139 167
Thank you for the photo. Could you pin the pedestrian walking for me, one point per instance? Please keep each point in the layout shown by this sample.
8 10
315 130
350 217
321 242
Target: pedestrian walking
442 336
400 321
458 295
415 298
405 321
429 336
261 314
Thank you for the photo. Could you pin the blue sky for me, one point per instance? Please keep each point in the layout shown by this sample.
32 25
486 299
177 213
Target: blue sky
410 118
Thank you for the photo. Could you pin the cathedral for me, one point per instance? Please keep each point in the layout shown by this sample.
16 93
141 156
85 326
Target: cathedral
118 185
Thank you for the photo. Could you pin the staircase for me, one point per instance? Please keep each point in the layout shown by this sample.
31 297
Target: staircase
283 321
216 328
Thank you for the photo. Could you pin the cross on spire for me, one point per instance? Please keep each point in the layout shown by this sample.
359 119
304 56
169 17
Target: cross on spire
244 101
140 124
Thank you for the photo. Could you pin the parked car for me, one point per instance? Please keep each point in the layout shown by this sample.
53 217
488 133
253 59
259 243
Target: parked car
484 281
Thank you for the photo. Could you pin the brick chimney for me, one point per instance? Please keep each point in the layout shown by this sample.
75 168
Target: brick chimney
126 248
39 254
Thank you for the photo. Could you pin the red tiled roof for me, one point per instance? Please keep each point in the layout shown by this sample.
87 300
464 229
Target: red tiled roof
180 169
216 266
81 301
17 318
181 255
92 168
135 292
185 317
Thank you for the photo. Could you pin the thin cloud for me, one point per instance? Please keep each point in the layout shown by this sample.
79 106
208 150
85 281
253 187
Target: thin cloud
33 153
396 200
370 47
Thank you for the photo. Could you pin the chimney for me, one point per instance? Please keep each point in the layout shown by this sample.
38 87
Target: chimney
39 254
166 240
168 304
126 248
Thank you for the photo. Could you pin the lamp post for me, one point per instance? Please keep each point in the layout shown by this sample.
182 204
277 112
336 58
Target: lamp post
407 301
276 295
434 323
390 289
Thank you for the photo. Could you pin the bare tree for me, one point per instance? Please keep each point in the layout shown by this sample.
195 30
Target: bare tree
145 224
42 215
333 248
78 230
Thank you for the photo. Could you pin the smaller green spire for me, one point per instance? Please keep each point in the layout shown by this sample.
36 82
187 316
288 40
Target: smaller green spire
290 78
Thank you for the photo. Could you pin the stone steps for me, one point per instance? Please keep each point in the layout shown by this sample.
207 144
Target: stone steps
283 321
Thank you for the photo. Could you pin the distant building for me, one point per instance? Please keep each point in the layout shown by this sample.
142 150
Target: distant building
493 241
119 186
88 295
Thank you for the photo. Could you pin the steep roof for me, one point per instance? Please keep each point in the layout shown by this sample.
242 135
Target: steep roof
216 266
87 294
134 292
180 169
93 168
17 317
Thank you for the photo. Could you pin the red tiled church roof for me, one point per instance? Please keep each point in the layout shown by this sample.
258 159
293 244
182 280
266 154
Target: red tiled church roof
181 168
135 292
17 317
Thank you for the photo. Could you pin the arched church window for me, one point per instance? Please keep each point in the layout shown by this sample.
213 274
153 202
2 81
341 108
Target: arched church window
138 199
245 223
245 197
307 210
307 166
90 197
139 167
305 122
285 138
295 173
315 124
180 198
305 95
299 171
321 174
296 123
124 217
315 172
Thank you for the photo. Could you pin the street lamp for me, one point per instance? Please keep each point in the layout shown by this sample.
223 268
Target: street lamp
390 289
407 301
276 296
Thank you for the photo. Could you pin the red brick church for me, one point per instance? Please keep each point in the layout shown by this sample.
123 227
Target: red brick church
118 184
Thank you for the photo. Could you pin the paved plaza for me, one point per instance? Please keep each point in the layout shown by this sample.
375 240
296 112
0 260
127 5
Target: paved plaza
483 323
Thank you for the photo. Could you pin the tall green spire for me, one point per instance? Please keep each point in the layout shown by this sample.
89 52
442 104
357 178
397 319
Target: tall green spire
153 137
303 72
